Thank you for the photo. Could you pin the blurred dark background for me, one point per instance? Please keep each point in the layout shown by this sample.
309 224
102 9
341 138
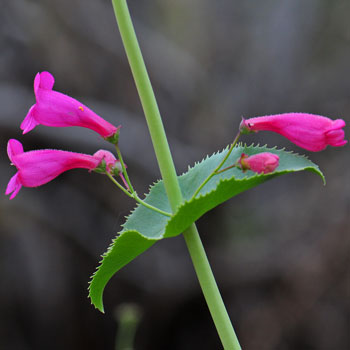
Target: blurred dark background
280 252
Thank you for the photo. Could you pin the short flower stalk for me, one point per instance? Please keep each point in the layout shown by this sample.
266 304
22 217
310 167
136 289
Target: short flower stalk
217 169
128 184
265 162
136 197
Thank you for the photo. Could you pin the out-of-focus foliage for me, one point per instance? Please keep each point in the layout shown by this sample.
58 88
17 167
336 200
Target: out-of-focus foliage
280 252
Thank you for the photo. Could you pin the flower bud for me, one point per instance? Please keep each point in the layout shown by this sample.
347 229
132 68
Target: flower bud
265 162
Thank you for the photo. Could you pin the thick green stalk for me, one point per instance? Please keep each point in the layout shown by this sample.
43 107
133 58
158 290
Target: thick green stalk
168 172
210 290
148 101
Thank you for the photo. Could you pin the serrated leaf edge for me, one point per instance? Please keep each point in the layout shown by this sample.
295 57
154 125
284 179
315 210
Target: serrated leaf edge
315 169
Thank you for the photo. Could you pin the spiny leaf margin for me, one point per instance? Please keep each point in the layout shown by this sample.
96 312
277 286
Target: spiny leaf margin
144 227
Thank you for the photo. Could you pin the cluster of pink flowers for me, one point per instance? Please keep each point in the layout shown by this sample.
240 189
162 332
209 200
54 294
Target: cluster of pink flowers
52 108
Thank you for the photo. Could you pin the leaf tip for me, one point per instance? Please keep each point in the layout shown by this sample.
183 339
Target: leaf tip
96 301
101 309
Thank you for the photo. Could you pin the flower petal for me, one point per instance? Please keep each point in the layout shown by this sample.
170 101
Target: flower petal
13 186
47 80
14 147
29 122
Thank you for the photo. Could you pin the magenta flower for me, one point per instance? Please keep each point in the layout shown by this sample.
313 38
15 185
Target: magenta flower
265 162
53 108
309 131
36 168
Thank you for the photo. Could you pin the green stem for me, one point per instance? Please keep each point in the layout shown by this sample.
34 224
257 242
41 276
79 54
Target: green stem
148 100
210 290
119 185
168 172
229 167
216 170
125 173
137 198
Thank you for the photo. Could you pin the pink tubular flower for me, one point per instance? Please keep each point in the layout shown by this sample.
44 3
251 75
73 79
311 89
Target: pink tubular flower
36 168
53 108
309 131
265 162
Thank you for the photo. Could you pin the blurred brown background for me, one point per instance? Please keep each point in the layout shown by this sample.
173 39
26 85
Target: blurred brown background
280 252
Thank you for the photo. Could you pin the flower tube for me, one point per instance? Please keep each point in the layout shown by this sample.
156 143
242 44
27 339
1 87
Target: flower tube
35 168
309 131
55 109
264 162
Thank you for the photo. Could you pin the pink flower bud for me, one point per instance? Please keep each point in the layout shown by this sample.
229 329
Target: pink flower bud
36 168
53 108
309 131
265 162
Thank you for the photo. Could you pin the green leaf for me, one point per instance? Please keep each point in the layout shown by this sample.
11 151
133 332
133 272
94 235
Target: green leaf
144 226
